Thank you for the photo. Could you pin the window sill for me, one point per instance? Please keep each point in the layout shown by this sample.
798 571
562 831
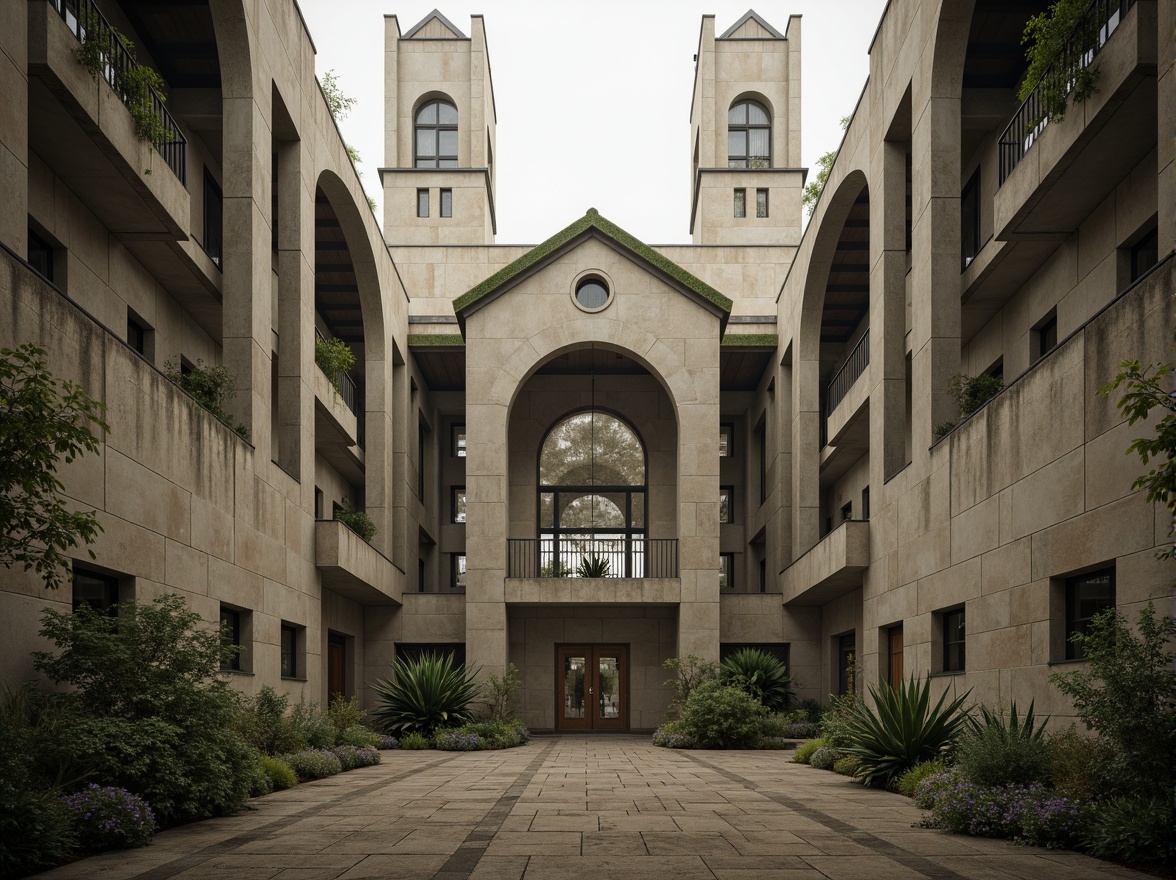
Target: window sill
293 678
948 674
1068 662
237 672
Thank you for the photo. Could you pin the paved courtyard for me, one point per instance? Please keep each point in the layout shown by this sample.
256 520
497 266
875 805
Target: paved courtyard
580 807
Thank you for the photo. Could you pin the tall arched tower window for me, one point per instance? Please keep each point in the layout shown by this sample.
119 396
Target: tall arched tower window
435 136
749 136
592 502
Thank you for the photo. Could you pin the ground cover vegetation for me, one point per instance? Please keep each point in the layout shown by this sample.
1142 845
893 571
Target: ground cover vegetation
747 701
145 732
434 702
997 772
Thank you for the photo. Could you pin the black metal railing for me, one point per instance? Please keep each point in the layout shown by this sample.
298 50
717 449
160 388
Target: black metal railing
1030 120
345 384
853 367
627 556
85 20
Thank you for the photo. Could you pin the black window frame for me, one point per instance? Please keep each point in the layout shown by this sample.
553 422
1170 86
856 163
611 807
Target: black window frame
762 431
865 504
421 573
422 451
230 618
288 662
136 335
727 428
457 448
970 242
106 584
445 203
1075 623
41 255
454 492
847 512
846 655
214 220
729 559
458 568
1045 335
437 159
730 490
763 575
744 160
422 207
955 639
761 214
740 206
1145 253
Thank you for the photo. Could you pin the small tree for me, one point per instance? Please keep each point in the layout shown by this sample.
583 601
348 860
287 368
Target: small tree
812 190
337 102
1058 40
44 422
498 694
211 387
1145 391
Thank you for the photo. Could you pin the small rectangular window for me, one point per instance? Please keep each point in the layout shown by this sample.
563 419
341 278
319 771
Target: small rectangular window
762 437
726 504
1046 336
726 441
846 651
136 335
446 203
726 571
421 460
763 575
420 575
41 256
970 221
289 651
866 503
422 203
1144 255
318 503
458 446
230 623
99 591
894 650
761 203
847 512
214 211
458 574
953 640
457 506
740 203
1087 595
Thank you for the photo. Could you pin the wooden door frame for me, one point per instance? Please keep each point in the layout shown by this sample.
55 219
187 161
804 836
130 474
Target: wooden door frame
591 652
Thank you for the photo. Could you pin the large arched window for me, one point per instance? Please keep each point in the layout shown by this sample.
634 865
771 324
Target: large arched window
749 136
435 136
592 503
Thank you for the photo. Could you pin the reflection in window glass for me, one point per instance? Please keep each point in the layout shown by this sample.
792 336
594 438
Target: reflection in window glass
726 441
592 449
725 502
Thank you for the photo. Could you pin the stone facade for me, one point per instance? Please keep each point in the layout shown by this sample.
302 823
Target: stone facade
856 520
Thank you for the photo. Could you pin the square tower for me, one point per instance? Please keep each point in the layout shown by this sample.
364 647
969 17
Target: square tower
439 124
745 177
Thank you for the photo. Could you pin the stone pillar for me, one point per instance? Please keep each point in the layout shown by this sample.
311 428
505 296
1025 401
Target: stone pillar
14 132
888 314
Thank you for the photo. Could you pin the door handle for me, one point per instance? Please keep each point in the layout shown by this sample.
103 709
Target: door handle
589 691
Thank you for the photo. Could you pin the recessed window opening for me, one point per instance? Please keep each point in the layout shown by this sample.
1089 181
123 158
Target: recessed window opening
726 571
726 504
1045 336
1145 254
592 293
214 212
99 591
954 632
446 203
1087 595
458 504
41 256
970 220
740 204
435 141
749 136
458 445
230 622
726 441
458 572
761 203
290 663
422 203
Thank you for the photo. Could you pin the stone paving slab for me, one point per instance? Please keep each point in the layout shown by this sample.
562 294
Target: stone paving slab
597 807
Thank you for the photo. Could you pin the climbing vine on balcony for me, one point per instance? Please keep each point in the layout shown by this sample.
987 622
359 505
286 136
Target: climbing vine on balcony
1061 43
137 85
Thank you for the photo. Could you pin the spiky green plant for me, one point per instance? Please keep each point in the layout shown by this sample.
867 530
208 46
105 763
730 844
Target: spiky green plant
901 729
1004 750
423 695
760 675
1010 727
593 567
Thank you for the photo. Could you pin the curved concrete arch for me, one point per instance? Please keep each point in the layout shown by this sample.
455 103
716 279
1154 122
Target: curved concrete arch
433 95
234 46
759 98
950 43
363 259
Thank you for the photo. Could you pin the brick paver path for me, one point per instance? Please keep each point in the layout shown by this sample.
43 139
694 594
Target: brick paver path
587 807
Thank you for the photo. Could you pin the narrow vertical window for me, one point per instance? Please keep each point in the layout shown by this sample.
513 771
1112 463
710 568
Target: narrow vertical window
846 649
420 575
136 335
866 503
763 575
422 203
458 504
726 571
458 580
761 203
230 621
213 219
1046 336
458 447
726 441
41 256
421 460
726 504
847 512
740 203
446 203
289 651
762 433
953 640
1144 254
1086 596
970 220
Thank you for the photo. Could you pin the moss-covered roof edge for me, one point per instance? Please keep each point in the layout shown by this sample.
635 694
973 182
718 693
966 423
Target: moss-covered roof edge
744 340
590 220
453 340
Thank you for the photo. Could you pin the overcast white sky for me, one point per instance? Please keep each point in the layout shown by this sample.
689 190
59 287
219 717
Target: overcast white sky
594 98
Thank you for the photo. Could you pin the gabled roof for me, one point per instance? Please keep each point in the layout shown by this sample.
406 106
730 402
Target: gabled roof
751 15
591 225
435 15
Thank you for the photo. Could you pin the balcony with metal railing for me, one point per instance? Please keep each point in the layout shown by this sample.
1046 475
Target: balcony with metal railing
1100 139
855 364
610 569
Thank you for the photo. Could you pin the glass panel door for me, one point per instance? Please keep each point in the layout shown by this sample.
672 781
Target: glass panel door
592 687
572 686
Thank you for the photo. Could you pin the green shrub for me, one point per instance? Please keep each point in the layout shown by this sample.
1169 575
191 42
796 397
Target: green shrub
460 739
358 736
593 567
109 818
280 774
805 751
1134 830
414 742
344 713
162 729
689 672
1125 695
333 356
259 781
902 729
847 766
1073 759
500 734
673 735
35 830
423 695
825 758
1030 814
263 723
909 781
211 387
721 716
972 392
760 675
498 694
811 709
352 758
356 520
835 724
313 764
1000 750
312 725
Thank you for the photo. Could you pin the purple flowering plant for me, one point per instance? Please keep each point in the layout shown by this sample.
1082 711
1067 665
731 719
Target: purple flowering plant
109 818
458 741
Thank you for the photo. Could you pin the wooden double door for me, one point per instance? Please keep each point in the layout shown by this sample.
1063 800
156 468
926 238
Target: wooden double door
592 687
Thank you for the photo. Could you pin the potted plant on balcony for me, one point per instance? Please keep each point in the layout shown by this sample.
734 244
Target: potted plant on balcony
333 357
593 567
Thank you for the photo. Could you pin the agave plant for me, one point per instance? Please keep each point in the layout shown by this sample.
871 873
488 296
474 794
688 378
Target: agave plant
1012 728
593 567
1000 750
423 695
760 675
901 729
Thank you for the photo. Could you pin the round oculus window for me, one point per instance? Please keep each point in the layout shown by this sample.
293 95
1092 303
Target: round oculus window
592 293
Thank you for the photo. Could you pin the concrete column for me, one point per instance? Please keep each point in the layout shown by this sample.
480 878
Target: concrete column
486 523
888 314
295 314
14 126
1166 111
